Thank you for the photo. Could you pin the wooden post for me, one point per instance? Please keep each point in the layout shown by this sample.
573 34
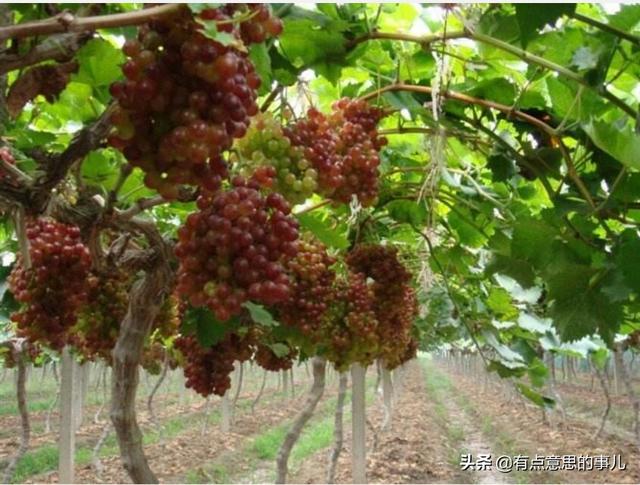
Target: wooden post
285 383
80 389
67 443
358 423
387 394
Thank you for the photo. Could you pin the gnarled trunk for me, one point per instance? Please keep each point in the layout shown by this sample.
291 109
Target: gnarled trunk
21 393
317 389
146 299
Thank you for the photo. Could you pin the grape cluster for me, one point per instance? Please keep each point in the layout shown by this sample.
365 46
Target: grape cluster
55 286
266 358
208 369
343 148
351 323
99 319
395 301
7 157
230 251
186 97
312 289
267 154
30 354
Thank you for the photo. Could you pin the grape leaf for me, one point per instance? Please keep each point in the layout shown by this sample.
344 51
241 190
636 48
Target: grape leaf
210 30
533 16
206 327
535 397
260 314
621 143
579 308
320 228
280 349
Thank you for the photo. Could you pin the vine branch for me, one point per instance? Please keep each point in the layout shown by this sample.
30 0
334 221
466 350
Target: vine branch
67 22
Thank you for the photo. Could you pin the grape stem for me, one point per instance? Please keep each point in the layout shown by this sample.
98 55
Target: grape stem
313 207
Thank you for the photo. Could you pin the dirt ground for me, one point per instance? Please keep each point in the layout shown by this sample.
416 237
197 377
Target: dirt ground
430 429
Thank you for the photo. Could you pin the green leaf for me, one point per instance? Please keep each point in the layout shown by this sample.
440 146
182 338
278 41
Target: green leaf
210 30
579 308
508 357
621 143
502 167
532 242
99 63
408 212
499 301
335 238
260 314
628 259
519 270
600 357
280 349
585 58
306 43
535 397
532 16
207 328
259 55
533 323
537 372
199 7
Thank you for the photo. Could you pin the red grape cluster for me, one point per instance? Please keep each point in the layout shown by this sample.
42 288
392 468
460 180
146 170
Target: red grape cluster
395 301
99 319
312 289
55 286
351 323
186 96
7 157
343 148
231 250
208 369
267 154
266 358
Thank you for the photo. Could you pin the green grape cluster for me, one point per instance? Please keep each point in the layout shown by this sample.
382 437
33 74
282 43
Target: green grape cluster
267 155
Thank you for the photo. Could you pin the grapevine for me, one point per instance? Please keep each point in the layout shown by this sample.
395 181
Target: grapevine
186 96
231 250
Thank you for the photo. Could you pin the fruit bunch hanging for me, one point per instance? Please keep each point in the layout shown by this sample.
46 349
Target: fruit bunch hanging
99 319
267 154
231 250
343 148
186 96
54 288
266 358
312 291
30 354
395 301
350 324
208 369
